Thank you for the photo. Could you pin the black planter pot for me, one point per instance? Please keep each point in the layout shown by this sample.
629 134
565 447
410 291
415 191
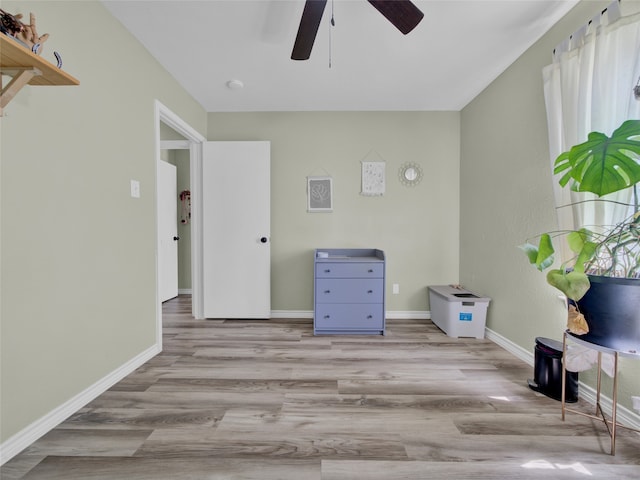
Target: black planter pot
611 308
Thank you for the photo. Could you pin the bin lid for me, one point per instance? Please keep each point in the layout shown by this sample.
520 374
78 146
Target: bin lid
456 294
550 344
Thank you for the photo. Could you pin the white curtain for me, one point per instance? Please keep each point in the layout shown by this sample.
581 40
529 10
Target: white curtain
589 87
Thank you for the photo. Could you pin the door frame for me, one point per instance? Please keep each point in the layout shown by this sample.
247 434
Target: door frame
162 114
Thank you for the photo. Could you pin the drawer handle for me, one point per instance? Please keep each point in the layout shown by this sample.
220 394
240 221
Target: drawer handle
369 291
369 316
328 270
327 316
327 291
370 270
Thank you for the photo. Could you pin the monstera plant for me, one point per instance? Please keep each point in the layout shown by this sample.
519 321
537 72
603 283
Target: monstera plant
602 165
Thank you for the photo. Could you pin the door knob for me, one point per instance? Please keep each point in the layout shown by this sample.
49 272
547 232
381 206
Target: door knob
176 238
264 239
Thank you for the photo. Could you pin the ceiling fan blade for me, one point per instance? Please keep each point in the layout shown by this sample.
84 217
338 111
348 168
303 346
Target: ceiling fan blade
402 13
309 23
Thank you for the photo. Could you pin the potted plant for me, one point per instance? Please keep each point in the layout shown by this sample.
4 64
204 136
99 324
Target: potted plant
602 280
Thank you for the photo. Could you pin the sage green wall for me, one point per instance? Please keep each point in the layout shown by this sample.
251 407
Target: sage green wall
506 197
417 227
77 252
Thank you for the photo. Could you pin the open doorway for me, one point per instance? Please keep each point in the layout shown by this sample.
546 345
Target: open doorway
174 135
174 218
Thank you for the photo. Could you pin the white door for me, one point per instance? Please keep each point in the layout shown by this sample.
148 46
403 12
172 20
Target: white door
236 229
167 231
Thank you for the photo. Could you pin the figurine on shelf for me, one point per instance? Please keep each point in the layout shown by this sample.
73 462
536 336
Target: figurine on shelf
27 35
9 25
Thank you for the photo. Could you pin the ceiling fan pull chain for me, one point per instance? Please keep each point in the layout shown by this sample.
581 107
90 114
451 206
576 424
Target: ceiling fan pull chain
333 24
333 20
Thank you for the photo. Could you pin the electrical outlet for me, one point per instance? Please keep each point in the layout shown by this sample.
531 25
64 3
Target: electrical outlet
396 288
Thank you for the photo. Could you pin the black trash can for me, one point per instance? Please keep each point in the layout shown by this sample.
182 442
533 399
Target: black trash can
547 372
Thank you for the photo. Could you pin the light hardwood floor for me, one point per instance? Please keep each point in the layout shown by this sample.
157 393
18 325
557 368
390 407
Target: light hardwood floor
252 399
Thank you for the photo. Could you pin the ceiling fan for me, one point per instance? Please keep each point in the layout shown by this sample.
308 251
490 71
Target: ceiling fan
403 14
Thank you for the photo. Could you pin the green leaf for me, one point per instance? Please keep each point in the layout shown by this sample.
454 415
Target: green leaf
581 244
542 255
545 252
530 250
577 239
587 253
602 164
573 284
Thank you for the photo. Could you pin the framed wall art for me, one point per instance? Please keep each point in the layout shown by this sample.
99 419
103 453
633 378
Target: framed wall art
319 194
373 178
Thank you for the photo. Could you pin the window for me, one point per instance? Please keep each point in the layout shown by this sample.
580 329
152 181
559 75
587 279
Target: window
590 87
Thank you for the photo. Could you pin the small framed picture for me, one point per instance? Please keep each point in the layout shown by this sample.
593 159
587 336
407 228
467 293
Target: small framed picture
319 194
373 178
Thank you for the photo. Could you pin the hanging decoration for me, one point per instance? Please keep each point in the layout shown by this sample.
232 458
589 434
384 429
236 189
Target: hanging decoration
636 90
319 194
185 210
410 174
373 175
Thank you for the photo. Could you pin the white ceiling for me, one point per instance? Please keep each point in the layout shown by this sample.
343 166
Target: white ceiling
453 54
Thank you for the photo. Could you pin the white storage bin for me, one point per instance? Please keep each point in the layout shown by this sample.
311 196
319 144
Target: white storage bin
458 312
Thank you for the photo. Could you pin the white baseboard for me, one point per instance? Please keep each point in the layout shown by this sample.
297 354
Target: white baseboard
21 440
397 315
292 314
509 346
624 415
185 291
408 315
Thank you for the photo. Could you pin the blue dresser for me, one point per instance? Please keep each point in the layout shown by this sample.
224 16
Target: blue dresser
349 288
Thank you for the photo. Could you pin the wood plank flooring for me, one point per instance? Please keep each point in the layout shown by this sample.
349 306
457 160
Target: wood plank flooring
256 399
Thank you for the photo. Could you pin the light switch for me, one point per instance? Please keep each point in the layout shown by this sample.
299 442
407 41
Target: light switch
396 288
135 188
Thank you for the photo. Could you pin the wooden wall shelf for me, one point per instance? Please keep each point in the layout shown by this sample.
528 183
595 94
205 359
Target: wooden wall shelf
26 68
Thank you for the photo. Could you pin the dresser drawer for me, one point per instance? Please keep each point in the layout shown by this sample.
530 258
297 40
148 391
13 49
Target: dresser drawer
349 270
349 290
349 317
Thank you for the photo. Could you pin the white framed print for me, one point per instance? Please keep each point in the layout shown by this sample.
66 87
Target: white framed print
319 194
373 178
